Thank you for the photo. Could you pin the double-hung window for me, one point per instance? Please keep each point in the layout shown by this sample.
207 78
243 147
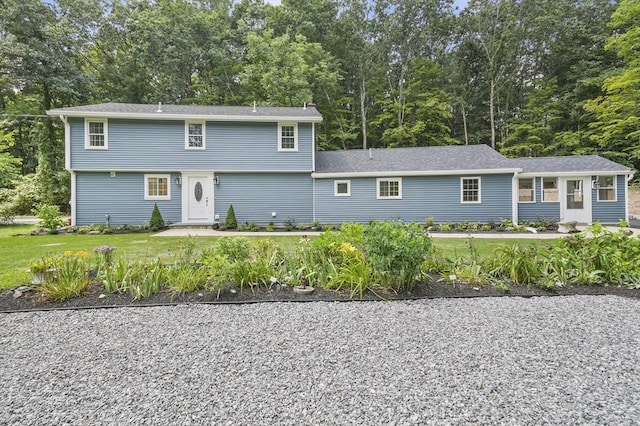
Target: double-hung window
287 137
526 191
607 188
96 134
470 190
194 135
389 188
549 190
156 187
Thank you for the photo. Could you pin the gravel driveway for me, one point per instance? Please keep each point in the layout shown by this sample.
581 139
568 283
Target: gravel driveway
559 360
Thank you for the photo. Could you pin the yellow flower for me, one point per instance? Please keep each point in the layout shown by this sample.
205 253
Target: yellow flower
347 248
68 253
82 254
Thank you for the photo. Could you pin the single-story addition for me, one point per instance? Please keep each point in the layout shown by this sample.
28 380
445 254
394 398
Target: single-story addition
196 161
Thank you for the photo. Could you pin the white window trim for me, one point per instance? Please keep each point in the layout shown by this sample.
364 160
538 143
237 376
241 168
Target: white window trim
87 143
398 197
335 188
462 179
533 179
295 137
156 197
615 190
542 190
186 135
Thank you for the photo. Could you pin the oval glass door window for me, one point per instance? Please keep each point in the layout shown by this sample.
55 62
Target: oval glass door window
198 191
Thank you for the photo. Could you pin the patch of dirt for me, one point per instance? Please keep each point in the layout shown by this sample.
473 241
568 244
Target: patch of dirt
96 297
634 201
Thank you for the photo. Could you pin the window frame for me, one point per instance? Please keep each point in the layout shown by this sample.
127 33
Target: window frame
295 137
335 188
614 187
389 197
533 190
148 176
479 179
557 190
187 123
87 134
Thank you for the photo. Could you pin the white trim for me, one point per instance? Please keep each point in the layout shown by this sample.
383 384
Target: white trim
558 194
313 199
182 117
615 190
575 174
87 144
313 147
295 137
67 142
72 200
626 196
514 197
415 173
158 176
335 188
391 179
155 169
462 179
533 180
186 135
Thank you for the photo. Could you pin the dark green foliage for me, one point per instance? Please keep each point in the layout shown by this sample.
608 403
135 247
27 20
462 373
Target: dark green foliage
156 222
230 221
49 217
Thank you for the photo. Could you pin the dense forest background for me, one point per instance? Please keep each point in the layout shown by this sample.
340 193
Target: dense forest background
528 77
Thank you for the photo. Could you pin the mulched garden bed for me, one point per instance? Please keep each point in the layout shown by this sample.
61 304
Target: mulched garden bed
96 297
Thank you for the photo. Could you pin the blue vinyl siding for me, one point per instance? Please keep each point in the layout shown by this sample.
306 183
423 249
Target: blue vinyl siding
122 198
256 195
610 212
539 210
423 197
159 145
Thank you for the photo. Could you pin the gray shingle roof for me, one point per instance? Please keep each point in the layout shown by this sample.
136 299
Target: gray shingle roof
193 110
576 163
421 159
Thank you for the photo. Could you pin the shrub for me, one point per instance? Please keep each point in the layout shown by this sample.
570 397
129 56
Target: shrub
233 248
395 252
49 216
230 221
185 278
70 278
289 224
156 222
143 280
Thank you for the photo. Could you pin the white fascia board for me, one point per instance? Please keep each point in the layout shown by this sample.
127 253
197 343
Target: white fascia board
582 173
161 169
416 173
164 116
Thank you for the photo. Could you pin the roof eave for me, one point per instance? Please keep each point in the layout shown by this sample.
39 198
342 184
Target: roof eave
166 116
416 173
577 173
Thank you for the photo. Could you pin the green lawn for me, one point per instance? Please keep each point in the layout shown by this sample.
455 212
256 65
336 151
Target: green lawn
16 251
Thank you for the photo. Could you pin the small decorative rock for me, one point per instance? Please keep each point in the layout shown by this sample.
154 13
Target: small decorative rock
102 296
303 289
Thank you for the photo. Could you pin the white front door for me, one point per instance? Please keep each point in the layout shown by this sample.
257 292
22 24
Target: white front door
198 193
576 199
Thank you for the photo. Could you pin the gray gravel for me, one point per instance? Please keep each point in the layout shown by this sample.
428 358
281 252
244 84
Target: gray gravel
559 360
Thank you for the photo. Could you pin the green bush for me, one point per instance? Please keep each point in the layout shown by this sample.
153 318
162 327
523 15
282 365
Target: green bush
49 216
230 220
156 222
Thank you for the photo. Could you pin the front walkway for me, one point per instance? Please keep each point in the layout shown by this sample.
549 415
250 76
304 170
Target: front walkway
504 235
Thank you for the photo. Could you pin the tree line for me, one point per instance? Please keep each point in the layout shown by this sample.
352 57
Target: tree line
528 77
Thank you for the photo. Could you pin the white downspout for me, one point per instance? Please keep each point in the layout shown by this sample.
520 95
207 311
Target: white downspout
626 197
313 169
67 165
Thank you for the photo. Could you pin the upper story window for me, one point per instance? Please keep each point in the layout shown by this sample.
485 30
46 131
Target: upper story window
342 188
526 191
607 188
156 187
96 134
470 190
549 190
389 188
287 137
194 135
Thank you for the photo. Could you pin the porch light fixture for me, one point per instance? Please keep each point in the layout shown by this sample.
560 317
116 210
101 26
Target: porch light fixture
216 180
178 180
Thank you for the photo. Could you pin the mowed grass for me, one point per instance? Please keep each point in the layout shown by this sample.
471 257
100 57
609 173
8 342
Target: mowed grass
17 250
